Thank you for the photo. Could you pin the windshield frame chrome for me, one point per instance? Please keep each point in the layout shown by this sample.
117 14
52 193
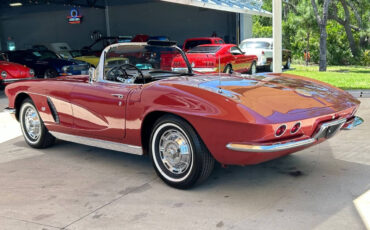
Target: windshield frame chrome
100 66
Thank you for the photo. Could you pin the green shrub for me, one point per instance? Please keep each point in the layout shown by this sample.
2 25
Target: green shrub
365 59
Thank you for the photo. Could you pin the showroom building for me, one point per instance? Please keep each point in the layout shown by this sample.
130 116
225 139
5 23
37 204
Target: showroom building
25 23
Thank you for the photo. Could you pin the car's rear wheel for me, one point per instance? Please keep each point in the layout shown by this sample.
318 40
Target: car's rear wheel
271 67
179 156
50 73
287 64
33 129
228 69
253 68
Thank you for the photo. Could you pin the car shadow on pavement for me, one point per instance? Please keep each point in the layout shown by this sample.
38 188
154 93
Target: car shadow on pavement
2 93
295 186
238 177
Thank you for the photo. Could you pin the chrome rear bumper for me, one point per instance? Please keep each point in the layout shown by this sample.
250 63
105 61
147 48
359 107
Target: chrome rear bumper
326 130
356 121
269 148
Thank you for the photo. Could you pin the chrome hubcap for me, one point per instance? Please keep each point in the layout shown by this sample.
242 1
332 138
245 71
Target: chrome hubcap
32 123
175 151
254 69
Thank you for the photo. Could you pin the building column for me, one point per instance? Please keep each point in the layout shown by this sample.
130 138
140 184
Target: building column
246 24
277 35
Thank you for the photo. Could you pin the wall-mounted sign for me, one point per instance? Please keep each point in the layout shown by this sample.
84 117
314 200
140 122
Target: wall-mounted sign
74 16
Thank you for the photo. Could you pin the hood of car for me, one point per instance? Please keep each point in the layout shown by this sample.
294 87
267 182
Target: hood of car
13 69
274 96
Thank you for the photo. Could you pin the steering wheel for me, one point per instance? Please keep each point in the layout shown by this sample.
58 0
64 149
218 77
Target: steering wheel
119 73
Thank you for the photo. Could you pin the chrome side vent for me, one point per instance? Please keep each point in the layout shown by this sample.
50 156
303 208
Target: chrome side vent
53 110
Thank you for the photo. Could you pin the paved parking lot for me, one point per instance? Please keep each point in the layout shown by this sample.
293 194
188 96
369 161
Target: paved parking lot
72 186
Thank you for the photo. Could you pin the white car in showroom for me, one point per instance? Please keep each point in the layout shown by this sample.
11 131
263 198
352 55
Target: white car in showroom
262 48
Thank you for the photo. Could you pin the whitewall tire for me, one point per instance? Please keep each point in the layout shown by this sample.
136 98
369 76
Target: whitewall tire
178 154
34 131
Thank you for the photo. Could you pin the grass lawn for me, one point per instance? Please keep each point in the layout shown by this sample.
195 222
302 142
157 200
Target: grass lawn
345 77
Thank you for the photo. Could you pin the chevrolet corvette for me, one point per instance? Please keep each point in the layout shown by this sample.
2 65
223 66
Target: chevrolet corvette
185 122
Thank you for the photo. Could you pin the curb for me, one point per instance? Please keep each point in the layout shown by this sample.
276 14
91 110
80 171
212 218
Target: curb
359 93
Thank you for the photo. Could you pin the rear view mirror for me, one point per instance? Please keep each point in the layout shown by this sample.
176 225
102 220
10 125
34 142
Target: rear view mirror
91 74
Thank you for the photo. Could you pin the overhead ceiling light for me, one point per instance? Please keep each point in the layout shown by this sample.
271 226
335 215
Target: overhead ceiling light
15 4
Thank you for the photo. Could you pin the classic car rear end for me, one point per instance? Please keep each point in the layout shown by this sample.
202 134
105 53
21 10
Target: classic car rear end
258 118
190 43
215 58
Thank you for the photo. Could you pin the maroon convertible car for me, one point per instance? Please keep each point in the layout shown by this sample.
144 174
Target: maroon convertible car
185 122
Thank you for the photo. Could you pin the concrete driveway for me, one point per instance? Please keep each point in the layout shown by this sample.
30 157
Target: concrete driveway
71 186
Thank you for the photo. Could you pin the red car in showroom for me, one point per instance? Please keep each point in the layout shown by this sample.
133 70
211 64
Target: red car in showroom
185 122
12 72
215 58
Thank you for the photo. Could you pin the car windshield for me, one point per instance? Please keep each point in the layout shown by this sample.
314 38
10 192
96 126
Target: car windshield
191 44
103 42
3 57
254 44
205 49
41 55
75 53
152 61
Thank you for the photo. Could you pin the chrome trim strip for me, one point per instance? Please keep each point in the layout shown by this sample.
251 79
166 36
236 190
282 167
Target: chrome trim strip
10 110
137 150
198 69
269 148
53 110
17 79
355 122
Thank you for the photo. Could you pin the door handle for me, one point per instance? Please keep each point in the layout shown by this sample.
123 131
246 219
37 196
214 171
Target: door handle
120 96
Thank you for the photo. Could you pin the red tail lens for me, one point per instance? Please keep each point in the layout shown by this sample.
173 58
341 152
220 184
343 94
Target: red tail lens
280 131
263 52
295 128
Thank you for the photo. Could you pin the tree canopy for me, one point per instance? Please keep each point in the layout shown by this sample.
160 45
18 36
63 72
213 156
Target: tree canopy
347 27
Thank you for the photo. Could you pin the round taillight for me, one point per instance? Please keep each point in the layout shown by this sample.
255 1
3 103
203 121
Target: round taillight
295 128
280 131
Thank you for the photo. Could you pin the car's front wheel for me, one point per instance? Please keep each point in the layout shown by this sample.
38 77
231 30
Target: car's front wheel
228 69
253 68
271 67
33 129
179 156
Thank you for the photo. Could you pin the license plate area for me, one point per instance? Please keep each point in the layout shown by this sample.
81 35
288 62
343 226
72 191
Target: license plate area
329 129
